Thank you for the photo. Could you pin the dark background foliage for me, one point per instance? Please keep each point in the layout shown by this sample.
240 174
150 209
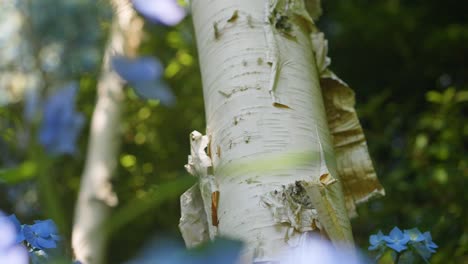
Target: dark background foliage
407 63
406 60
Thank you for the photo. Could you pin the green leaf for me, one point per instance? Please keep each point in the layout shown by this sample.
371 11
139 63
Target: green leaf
462 96
150 201
434 97
24 172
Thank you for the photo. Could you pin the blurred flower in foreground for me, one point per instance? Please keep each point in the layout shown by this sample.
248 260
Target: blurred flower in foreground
18 228
10 250
61 124
144 74
166 12
314 249
219 251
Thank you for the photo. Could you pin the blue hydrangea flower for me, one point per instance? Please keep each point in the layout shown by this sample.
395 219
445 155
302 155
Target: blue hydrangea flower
166 12
414 234
397 240
42 234
10 250
61 124
144 74
430 245
376 240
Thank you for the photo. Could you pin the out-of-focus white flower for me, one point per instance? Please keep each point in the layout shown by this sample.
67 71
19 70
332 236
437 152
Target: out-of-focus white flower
10 251
314 249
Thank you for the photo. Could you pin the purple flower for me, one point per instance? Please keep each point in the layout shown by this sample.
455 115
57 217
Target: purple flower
10 250
166 12
42 234
397 240
61 124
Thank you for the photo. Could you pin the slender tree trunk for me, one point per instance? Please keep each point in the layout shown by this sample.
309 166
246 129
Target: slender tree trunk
96 197
271 161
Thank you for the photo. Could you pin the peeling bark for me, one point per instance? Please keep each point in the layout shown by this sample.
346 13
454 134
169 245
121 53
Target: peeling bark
96 197
277 155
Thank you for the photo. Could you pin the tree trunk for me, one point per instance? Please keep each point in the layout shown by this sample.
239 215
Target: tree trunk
280 157
96 197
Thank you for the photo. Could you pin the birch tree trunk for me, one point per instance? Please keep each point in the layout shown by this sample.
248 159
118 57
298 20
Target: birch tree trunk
280 157
96 197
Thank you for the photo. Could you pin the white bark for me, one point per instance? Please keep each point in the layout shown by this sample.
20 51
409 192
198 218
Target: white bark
270 173
263 104
96 197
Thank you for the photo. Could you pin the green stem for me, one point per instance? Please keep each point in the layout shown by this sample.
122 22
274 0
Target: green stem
397 258
48 189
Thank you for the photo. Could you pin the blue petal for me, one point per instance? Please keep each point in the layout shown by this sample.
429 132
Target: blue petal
397 246
39 234
144 69
61 124
374 247
69 135
428 242
30 236
423 251
389 239
152 90
376 239
414 234
55 237
44 228
396 233
167 12
44 243
53 108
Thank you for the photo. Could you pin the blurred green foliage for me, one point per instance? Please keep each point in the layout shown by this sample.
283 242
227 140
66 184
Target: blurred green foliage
407 63
406 60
